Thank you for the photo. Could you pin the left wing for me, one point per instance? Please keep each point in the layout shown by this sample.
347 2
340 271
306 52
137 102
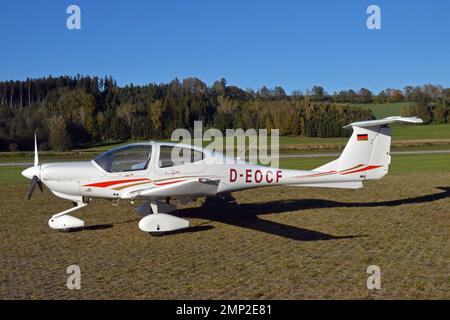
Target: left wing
178 188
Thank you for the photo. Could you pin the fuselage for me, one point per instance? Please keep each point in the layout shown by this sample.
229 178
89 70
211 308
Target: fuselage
148 170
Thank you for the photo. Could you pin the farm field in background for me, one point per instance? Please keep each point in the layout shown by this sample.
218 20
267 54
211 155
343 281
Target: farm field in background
383 110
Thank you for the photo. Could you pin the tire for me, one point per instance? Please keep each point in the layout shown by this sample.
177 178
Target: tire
157 233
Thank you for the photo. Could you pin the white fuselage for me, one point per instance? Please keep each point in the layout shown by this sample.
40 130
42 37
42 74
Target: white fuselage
209 176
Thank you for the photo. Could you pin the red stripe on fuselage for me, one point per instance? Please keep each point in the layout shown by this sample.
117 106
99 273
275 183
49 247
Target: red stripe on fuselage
105 184
362 169
317 174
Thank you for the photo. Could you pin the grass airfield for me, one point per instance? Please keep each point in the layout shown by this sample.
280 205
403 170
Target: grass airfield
278 243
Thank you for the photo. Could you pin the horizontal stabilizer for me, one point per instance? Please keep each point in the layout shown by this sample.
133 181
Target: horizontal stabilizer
385 121
337 185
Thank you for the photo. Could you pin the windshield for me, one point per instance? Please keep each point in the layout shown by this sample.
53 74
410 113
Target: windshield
127 158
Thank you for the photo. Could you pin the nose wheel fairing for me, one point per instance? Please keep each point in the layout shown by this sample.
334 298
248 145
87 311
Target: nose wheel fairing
63 221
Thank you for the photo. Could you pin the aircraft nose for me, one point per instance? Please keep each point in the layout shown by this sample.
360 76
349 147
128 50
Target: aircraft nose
30 172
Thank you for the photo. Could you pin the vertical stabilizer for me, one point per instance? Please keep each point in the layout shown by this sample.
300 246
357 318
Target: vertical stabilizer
367 152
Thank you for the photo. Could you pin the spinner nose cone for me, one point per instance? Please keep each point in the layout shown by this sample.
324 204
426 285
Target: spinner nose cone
30 172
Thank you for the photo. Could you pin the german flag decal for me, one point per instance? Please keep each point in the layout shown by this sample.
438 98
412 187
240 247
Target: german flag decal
363 137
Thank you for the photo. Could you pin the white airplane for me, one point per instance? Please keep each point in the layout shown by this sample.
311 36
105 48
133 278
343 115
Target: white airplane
148 172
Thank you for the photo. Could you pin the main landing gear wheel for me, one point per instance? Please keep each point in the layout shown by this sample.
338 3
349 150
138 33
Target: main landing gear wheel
157 233
158 224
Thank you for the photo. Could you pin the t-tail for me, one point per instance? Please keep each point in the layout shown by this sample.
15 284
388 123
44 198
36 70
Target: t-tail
367 153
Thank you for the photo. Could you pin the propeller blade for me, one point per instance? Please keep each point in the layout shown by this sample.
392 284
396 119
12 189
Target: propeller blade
33 184
36 157
39 183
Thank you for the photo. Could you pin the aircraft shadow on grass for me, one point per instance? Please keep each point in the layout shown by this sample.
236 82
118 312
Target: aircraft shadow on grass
247 215
101 226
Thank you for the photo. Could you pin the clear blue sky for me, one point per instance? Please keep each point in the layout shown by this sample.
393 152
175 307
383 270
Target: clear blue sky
251 43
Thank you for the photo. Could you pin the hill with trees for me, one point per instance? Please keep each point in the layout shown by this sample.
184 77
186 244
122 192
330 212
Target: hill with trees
67 112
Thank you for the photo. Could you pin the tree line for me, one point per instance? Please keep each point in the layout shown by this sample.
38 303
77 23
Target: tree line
68 112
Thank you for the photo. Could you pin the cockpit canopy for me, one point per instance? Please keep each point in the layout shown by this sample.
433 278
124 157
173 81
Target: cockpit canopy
136 157
126 158
172 156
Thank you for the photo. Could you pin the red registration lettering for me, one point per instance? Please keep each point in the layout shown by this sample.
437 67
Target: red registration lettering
248 176
258 176
233 175
269 180
278 175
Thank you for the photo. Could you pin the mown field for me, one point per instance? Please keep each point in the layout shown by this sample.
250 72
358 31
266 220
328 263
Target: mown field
382 110
284 242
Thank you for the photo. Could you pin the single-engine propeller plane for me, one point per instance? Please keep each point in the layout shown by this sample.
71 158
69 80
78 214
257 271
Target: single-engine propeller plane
147 172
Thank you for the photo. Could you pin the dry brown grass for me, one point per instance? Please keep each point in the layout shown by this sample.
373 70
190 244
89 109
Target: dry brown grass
277 243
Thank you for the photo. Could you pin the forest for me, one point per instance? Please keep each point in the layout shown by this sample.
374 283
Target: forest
67 112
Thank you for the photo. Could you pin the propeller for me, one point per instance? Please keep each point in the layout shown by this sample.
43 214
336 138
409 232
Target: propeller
33 172
35 181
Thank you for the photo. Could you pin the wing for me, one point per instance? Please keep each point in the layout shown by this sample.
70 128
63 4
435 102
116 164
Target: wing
178 188
337 185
